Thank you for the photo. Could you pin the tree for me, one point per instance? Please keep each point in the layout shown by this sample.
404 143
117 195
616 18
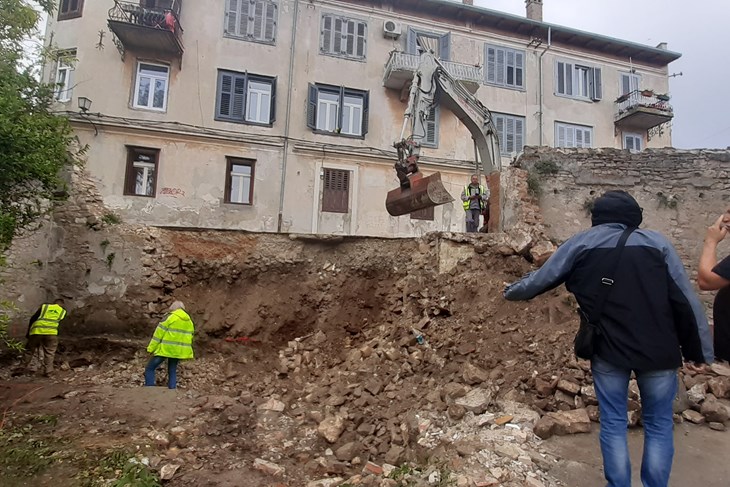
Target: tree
35 144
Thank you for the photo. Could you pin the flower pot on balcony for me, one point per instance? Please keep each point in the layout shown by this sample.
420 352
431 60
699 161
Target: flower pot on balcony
622 98
663 97
647 93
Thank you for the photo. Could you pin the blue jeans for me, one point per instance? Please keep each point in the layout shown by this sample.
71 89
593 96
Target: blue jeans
149 371
657 389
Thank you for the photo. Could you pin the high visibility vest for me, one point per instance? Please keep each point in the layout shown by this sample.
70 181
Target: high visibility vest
47 322
467 203
173 337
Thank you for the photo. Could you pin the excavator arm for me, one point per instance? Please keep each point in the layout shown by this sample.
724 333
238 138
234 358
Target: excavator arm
433 85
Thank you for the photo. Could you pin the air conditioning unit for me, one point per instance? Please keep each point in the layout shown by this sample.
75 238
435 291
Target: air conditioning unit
391 29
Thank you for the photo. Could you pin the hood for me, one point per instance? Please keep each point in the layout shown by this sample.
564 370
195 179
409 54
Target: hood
181 314
616 207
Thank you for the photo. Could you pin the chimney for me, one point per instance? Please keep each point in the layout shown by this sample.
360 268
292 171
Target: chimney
662 45
534 9
468 2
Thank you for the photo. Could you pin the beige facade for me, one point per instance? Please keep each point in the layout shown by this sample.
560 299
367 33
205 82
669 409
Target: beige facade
195 146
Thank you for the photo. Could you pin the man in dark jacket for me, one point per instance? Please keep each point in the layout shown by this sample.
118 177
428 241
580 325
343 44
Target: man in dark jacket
651 318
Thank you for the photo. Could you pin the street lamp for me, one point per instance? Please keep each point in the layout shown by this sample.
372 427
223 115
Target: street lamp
84 104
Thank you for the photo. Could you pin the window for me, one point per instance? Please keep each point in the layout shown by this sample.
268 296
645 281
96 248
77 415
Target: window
63 80
629 83
246 98
568 135
633 142
151 87
70 9
343 37
431 127
418 40
338 110
336 192
239 181
251 20
505 67
141 178
578 81
511 133
423 214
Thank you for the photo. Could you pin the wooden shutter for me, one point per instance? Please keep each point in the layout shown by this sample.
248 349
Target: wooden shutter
520 69
258 13
272 111
225 95
445 47
509 132
519 134
491 65
270 22
596 84
579 137
365 113
562 138
339 28
510 68
587 138
327 34
499 122
232 17
569 79
431 126
312 107
411 42
361 40
500 66
238 105
336 192
349 28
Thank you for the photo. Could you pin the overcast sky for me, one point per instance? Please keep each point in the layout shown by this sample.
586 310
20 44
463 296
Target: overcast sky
695 29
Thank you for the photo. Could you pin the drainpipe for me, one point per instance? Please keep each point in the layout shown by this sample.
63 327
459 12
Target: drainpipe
541 95
288 117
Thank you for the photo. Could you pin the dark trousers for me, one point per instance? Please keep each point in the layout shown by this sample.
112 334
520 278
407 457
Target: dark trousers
153 364
45 347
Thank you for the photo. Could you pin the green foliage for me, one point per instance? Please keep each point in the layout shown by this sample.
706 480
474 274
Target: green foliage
36 144
110 260
137 475
546 167
671 202
111 219
115 468
14 346
104 244
533 184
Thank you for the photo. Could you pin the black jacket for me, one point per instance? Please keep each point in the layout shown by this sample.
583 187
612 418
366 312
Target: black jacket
652 316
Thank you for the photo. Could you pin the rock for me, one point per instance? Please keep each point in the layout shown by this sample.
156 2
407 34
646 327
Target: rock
268 468
508 450
568 386
594 413
542 252
588 393
372 468
543 387
545 427
167 472
720 369
717 426
681 401
331 428
348 451
481 247
563 398
533 482
696 393
456 412
693 416
328 482
571 422
394 454
454 390
720 387
715 412
633 418
502 420
477 400
474 375
273 405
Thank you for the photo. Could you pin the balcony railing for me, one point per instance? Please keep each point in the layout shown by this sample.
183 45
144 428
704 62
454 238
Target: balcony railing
643 109
141 28
401 66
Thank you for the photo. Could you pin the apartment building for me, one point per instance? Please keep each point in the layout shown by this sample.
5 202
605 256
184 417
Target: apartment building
280 115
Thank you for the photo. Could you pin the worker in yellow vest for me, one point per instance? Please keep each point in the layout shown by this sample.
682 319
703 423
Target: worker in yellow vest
42 335
173 340
475 199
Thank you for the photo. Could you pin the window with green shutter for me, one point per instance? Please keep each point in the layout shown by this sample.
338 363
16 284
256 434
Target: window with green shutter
505 67
343 37
251 20
578 81
245 98
511 133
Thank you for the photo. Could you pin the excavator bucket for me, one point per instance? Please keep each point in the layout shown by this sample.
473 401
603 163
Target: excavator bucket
424 192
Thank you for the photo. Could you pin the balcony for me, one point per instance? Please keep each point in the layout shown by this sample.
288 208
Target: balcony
139 27
401 66
643 109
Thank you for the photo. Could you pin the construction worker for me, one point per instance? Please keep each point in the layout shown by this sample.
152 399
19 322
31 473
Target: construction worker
172 340
714 275
42 335
474 198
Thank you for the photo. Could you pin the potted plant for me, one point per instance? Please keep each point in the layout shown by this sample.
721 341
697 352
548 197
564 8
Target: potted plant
664 97
647 92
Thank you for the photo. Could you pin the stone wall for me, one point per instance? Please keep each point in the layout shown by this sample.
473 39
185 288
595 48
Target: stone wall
681 191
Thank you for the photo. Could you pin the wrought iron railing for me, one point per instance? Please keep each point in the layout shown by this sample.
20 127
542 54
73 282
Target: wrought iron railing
157 18
642 98
400 61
